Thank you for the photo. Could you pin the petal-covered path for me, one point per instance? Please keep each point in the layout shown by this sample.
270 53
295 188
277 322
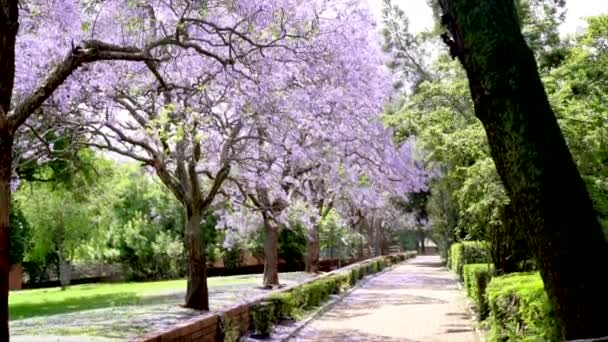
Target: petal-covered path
416 301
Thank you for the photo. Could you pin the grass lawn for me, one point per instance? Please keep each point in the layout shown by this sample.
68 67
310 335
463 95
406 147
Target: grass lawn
50 301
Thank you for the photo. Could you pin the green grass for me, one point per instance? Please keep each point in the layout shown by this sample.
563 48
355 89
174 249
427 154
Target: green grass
44 302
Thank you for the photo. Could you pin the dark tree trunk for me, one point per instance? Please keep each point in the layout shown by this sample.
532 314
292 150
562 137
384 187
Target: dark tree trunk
197 295
271 254
9 18
385 244
533 160
313 250
361 245
508 246
420 236
5 200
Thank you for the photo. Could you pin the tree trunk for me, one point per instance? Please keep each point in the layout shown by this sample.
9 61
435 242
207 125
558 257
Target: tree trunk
420 236
509 249
9 25
6 151
361 245
313 250
533 160
197 295
271 254
65 272
386 243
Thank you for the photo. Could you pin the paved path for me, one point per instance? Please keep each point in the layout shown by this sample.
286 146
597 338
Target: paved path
416 301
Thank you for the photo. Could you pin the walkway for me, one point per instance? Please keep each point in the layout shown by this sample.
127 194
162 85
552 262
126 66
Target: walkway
416 301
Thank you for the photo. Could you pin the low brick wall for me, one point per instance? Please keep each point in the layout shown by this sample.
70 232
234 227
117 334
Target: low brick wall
209 328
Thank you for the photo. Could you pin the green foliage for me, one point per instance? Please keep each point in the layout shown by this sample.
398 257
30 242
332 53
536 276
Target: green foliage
285 305
148 251
467 195
476 279
337 238
520 309
577 91
468 252
263 317
145 232
64 217
292 245
19 234
233 257
230 330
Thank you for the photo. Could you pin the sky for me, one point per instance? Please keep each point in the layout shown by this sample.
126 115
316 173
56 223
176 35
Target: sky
421 18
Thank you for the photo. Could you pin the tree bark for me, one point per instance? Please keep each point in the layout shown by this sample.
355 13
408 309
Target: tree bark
271 254
533 160
64 272
6 153
420 236
9 25
197 294
386 242
313 250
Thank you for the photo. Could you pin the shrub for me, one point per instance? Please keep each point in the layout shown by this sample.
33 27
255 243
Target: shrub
285 305
382 264
520 309
343 281
468 252
263 317
354 276
230 330
476 279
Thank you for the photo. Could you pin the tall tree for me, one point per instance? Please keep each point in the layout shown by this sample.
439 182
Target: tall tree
532 159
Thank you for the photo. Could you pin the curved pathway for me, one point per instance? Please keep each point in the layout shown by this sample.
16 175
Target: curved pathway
416 301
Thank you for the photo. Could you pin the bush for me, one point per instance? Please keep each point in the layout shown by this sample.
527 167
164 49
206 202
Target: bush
468 252
292 245
476 279
263 317
520 309
285 306
148 251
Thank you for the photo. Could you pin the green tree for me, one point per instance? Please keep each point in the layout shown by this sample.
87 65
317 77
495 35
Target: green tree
62 223
532 158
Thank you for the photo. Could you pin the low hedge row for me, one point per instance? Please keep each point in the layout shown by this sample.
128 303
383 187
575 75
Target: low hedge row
468 252
476 279
291 304
520 309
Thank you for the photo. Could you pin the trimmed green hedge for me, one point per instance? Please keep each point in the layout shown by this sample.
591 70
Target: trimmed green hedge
291 304
520 309
476 279
468 252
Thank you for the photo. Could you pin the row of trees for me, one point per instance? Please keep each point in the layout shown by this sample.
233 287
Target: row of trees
488 130
118 214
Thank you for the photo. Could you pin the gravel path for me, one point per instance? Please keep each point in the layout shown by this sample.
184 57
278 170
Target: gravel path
417 301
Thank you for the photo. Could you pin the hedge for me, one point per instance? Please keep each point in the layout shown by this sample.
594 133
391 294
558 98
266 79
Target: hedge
476 279
290 304
520 309
468 252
